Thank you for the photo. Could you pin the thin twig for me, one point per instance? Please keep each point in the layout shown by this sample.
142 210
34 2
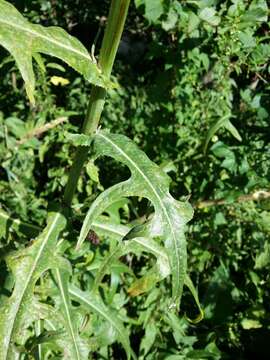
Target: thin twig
257 195
38 131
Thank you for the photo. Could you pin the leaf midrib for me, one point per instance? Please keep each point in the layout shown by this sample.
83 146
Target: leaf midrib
153 189
108 228
26 284
150 248
32 32
86 301
67 312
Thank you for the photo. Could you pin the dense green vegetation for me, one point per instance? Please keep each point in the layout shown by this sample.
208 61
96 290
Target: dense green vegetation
191 89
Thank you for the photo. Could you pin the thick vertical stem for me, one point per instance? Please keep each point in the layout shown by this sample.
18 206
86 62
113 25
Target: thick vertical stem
110 43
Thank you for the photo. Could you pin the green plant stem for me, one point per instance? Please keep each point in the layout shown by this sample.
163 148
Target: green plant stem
116 20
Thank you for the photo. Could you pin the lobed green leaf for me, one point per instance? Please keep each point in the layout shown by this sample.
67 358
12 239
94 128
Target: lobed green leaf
149 181
77 348
24 40
94 303
27 265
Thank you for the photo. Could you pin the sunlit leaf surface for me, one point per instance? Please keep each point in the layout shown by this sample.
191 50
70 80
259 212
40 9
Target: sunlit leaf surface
149 181
27 265
23 40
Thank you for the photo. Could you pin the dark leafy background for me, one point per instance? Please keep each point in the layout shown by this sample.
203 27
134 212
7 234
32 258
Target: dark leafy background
181 68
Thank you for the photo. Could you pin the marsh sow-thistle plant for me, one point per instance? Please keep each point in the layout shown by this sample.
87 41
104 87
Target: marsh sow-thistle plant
39 318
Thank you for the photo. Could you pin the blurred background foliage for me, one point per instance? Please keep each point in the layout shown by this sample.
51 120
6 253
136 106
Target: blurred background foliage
193 92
